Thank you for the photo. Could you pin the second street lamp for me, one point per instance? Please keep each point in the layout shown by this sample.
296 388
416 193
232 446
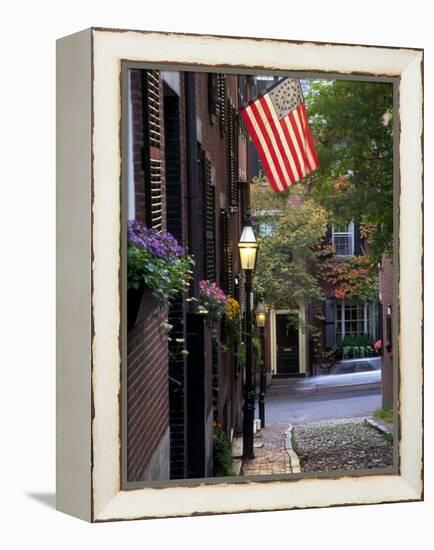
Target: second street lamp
261 316
248 247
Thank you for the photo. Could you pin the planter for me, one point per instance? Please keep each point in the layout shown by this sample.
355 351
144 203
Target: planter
141 303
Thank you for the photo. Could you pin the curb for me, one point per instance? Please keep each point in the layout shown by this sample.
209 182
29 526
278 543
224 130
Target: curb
295 462
378 427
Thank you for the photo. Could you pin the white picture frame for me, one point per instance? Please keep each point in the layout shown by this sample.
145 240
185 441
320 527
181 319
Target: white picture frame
88 267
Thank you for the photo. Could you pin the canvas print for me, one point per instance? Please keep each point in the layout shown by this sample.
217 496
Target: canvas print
258 276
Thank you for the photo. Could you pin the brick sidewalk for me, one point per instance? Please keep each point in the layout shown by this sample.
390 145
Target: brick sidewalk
272 458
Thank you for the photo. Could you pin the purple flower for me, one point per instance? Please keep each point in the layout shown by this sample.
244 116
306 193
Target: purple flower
158 243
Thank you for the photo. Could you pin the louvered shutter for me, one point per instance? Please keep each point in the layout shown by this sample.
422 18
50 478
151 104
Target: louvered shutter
233 159
223 107
152 149
210 225
213 96
330 323
227 281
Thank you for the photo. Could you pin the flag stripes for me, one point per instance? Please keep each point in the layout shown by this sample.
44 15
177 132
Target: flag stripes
285 144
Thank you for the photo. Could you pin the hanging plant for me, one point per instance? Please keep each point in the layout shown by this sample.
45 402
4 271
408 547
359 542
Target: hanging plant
233 319
157 262
212 302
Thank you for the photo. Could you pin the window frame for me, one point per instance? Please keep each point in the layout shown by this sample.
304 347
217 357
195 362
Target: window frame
350 232
368 319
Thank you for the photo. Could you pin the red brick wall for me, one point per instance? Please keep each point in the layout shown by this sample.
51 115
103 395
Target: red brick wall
147 393
147 361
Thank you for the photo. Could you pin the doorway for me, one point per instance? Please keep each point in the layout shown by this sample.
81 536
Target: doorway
287 345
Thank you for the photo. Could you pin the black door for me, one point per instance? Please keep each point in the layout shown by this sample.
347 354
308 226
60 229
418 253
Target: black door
286 345
195 396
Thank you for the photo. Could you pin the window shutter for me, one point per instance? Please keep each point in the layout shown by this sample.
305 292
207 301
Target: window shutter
226 278
330 322
223 107
233 159
358 241
153 96
237 288
210 241
328 236
213 95
152 149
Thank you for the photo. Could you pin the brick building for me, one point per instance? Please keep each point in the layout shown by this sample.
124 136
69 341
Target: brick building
289 347
187 168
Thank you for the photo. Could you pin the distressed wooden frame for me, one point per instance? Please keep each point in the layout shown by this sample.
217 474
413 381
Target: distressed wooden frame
88 267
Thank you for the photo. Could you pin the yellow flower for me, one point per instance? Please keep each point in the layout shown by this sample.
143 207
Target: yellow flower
232 308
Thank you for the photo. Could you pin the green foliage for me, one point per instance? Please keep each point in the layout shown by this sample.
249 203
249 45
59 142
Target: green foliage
384 414
165 278
355 346
240 354
288 258
354 340
222 452
354 277
352 122
325 358
257 350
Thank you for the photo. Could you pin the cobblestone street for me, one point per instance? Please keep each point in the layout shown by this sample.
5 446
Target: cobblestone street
346 444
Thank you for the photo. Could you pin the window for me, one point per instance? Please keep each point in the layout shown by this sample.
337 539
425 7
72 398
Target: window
343 239
352 318
265 229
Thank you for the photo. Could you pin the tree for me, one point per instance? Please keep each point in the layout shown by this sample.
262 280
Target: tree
352 124
291 228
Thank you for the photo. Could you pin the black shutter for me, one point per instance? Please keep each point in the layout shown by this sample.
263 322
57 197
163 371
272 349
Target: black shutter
151 157
233 159
226 276
358 241
213 95
237 288
330 322
223 107
329 235
210 225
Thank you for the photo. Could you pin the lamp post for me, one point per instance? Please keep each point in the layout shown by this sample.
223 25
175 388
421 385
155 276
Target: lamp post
260 322
248 246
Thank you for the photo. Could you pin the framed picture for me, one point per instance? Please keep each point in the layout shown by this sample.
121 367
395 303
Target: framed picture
239 308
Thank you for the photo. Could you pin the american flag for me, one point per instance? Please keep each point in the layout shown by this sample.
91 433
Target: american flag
277 122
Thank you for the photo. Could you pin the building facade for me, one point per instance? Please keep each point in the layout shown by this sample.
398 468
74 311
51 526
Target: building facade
187 173
338 322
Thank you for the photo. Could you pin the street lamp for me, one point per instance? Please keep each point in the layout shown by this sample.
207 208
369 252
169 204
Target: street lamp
260 321
260 315
248 247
